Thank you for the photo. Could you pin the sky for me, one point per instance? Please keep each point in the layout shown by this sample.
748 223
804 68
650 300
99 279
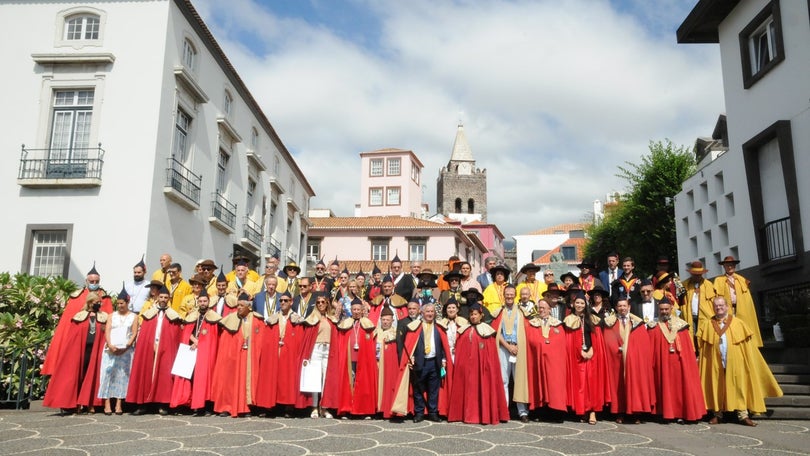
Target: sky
554 95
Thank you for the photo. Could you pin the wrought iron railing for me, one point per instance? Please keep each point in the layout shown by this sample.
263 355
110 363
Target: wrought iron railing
20 380
778 239
183 180
253 231
274 247
223 210
61 163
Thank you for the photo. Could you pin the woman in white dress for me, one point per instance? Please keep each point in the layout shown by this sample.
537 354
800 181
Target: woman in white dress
116 361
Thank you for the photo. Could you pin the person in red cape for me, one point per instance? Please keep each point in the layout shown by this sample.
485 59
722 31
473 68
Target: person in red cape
627 347
151 378
201 331
449 326
588 380
477 395
286 337
351 374
223 303
74 305
236 373
74 385
548 387
387 362
421 367
678 394
387 298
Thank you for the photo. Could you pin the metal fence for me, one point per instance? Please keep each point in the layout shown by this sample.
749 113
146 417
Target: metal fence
223 210
20 381
778 239
61 163
183 180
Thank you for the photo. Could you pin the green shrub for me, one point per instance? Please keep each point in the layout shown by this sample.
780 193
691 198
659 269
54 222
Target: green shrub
30 308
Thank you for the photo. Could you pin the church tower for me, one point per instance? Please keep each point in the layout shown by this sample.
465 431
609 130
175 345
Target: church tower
461 189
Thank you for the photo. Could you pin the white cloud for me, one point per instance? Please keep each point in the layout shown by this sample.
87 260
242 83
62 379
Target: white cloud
554 95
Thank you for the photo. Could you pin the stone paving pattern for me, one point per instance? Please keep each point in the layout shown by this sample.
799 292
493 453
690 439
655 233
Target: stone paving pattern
43 432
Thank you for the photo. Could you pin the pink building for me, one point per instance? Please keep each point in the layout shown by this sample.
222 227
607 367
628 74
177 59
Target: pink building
390 184
360 241
489 234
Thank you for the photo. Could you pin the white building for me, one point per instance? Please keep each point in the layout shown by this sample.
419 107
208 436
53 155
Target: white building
540 243
746 198
138 137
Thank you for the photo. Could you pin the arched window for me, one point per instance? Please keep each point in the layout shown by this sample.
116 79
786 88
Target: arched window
470 206
458 205
189 54
227 104
82 27
254 139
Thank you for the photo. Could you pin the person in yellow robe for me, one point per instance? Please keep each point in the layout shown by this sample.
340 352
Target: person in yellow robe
735 288
189 301
242 283
162 273
733 373
535 287
493 294
696 305
178 287
252 274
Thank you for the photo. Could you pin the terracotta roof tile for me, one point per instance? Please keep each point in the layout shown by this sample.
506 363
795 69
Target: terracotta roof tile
579 243
562 228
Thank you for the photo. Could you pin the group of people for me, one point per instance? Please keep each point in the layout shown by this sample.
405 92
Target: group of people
418 344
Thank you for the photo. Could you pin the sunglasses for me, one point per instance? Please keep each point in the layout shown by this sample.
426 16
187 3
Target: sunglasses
285 300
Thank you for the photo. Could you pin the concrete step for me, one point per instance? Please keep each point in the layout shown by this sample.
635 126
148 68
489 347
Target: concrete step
778 353
788 400
786 413
790 368
788 388
800 379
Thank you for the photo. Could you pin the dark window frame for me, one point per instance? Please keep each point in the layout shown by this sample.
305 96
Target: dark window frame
770 10
28 244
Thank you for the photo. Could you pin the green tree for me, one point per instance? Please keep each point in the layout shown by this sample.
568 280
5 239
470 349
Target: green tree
643 224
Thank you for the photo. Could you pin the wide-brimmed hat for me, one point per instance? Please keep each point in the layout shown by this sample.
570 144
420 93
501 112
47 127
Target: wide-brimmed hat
599 290
662 277
552 288
663 259
571 275
500 267
587 263
427 279
208 263
452 274
472 295
530 267
196 278
729 259
156 283
696 267
293 267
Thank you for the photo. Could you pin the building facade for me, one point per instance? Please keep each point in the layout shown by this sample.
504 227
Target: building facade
461 189
747 199
539 245
390 183
136 143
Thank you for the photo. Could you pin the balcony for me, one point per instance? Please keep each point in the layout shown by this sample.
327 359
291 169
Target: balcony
223 213
252 234
274 247
182 185
66 167
778 239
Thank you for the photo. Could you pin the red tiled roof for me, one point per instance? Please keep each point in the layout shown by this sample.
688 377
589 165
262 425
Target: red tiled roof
579 243
562 228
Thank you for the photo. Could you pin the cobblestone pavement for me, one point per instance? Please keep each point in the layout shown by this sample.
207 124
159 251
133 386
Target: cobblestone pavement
42 432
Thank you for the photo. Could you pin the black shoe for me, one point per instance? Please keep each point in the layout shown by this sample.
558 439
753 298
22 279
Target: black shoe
199 412
418 418
524 418
139 412
163 411
433 417
224 415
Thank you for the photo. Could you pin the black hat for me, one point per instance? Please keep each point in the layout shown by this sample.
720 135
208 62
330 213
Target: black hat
336 262
396 258
286 294
598 289
472 295
140 263
451 300
427 276
123 294
375 270
320 262
357 301
579 294
243 296
163 290
729 259
571 275
221 277
663 259
529 267
662 277
93 270
387 278
242 262
476 306
552 288
345 271
573 289
360 273
450 275
646 282
587 263
500 267
203 292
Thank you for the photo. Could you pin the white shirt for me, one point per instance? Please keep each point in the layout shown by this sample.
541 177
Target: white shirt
138 294
648 310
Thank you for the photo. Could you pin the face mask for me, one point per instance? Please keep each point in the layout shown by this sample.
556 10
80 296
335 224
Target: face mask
96 307
93 286
427 293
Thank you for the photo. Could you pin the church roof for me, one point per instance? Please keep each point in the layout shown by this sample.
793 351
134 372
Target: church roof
461 149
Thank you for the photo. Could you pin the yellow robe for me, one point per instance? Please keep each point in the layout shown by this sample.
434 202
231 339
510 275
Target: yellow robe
493 297
161 276
252 275
706 294
536 289
746 380
252 288
520 391
189 303
179 294
744 309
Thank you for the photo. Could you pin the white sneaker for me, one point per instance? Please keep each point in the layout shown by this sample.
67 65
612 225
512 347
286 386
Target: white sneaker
314 414
327 415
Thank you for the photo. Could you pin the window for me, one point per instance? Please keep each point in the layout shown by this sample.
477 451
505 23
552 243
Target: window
313 250
182 125
761 45
379 250
254 139
458 205
470 206
392 196
375 196
276 165
82 27
394 166
251 191
189 55
227 104
222 172
414 173
49 251
376 167
569 252
416 251
72 120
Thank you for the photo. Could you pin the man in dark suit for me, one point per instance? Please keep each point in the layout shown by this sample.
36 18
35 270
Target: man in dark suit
485 278
304 302
426 363
628 284
402 325
266 302
407 284
612 273
647 307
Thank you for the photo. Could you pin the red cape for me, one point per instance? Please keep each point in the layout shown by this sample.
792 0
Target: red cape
68 388
388 364
290 358
477 395
74 304
631 379
236 375
196 391
588 381
339 393
375 310
678 392
151 378
548 385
